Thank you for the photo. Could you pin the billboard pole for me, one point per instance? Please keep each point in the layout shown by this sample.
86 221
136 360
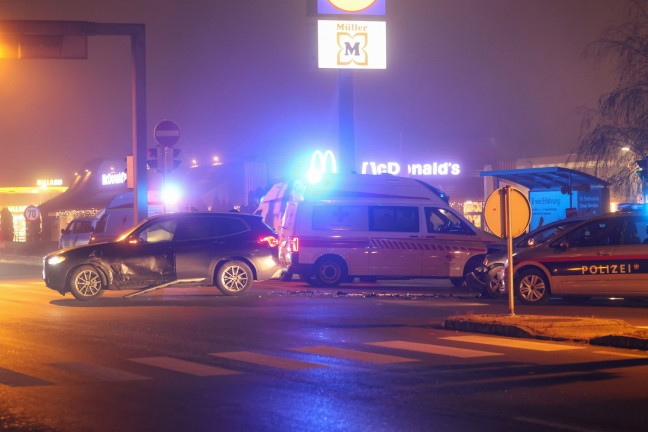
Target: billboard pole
346 120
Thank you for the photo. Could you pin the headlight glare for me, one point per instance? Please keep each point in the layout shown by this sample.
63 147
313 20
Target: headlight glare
56 259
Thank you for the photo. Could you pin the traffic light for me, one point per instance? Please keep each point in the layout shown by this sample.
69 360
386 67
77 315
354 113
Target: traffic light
642 172
152 157
176 158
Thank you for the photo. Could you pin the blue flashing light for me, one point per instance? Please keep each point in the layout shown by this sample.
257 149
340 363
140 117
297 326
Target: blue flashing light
171 194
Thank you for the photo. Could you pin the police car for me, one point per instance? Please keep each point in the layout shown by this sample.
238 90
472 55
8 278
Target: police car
606 255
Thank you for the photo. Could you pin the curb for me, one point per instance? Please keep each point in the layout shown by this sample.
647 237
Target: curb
613 333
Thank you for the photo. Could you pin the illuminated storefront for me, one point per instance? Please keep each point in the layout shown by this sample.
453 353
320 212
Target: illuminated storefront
17 199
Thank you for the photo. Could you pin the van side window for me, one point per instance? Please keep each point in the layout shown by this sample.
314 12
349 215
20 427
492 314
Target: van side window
101 224
340 218
394 218
443 221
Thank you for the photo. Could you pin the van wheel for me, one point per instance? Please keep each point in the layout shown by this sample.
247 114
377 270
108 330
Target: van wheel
234 278
86 283
330 271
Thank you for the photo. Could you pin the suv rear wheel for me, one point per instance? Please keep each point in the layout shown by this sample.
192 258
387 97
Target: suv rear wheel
234 278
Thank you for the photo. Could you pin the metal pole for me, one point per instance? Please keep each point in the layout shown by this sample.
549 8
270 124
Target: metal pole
140 189
509 247
346 121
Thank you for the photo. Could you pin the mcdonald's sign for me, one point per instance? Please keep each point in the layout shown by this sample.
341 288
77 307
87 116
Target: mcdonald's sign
321 163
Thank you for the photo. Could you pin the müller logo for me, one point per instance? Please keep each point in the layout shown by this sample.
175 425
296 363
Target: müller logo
352 45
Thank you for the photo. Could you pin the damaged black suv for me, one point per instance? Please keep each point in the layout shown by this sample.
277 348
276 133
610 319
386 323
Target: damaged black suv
228 250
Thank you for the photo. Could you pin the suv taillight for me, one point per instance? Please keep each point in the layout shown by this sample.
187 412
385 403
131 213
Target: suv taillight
270 240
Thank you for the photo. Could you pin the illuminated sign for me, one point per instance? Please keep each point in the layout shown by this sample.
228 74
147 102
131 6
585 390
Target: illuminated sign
352 44
49 182
414 169
113 178
321 163
351 7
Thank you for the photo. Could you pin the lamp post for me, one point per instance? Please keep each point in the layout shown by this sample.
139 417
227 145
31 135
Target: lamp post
68 40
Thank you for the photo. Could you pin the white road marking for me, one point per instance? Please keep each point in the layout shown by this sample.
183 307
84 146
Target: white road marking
434 349
267 360
513 343
348 354
619 354
183 366
99 372
556 425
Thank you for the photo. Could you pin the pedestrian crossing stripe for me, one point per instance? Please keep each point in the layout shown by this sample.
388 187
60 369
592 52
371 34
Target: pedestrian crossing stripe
434 349
513 343
98 372
16 379
267 360
348 354
183 366
618 354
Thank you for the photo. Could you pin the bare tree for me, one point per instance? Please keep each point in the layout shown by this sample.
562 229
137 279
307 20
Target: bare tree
615 135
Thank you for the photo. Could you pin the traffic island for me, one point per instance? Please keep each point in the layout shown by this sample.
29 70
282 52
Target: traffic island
595 331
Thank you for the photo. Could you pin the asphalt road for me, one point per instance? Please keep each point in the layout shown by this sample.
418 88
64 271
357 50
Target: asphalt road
288 357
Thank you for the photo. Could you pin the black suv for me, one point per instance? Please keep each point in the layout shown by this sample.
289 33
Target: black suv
228 250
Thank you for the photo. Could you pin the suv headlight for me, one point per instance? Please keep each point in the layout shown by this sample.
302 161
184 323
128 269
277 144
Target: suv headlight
56 259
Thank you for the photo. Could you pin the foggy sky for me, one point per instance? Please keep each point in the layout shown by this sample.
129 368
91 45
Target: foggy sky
467 80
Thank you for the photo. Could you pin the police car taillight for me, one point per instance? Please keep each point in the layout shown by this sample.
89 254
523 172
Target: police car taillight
270 241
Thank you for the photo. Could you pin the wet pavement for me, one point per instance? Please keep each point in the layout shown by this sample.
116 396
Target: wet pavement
594 331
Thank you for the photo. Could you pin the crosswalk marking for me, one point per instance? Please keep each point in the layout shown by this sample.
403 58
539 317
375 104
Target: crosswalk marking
434 349
267 360
512 343
620 354
98 372
184 366
355 355
16 379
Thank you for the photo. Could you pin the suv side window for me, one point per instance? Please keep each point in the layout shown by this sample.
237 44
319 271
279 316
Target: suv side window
224 226
394 218
193 228
158 231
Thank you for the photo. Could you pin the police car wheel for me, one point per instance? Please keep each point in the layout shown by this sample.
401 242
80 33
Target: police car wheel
531 287
330 271
86 283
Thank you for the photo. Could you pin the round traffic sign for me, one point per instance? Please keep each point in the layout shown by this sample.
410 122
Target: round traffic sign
167 133
32 213
495 212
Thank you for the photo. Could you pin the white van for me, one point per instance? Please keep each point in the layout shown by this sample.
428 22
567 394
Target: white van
376 226
77 232
116 218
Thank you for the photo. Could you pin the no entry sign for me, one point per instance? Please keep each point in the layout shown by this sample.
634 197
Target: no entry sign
167 133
